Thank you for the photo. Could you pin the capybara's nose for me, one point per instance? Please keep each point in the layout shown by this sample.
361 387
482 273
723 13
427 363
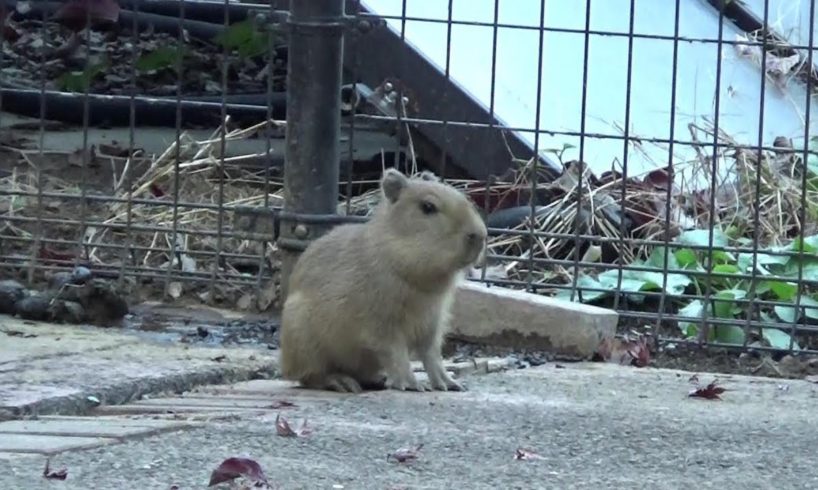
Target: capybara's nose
474 238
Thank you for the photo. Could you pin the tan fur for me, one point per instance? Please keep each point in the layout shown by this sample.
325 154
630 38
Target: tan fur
366 298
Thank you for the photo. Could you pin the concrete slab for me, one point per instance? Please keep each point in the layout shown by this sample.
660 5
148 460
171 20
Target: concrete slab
590 426
209 402
72 366
88 427
39 340
513 318
185 410
42 444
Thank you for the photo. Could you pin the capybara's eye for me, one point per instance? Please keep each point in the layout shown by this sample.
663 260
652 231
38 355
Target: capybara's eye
427 207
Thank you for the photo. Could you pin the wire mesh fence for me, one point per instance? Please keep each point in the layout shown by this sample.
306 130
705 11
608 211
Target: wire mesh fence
651 159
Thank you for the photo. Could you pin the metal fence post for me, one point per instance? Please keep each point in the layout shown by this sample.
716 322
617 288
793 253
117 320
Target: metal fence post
311 168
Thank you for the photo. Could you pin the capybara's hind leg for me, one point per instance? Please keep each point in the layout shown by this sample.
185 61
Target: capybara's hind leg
341 383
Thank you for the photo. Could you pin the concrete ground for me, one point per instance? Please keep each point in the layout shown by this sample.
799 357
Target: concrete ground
589 425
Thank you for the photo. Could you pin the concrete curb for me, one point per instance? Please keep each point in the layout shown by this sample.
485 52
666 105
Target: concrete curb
511 318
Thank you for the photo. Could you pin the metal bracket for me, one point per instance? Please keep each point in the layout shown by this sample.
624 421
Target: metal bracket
283 19
264 224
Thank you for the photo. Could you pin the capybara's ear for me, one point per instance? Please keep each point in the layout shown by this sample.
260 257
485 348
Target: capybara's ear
393 182
427 175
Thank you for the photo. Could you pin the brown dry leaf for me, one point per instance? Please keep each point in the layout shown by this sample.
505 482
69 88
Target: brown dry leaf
284 429
405 455
60 474
281 404
82 157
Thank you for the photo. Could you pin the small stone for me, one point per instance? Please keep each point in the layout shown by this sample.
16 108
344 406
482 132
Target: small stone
67 311
80 275
35 307
101 302
59 279
10 293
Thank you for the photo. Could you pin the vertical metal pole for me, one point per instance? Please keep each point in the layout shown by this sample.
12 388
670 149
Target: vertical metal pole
311 168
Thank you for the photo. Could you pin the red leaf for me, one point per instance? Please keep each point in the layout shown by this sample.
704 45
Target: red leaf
709 392
156 191
405 455
232 468
284 430
526 454
640 352
60 474
74 13
283 427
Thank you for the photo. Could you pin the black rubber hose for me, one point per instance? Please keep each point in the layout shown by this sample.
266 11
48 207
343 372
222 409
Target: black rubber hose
114 110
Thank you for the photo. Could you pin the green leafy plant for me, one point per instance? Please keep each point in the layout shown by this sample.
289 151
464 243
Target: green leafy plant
79 81
246 38
160 58
726 292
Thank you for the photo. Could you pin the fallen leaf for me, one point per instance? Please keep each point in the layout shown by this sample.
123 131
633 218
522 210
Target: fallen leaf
175 289
80 157
232 468
284 429
404 455
156 191
709 392
639 352
219 358
60 474
526 454
281 404
18 333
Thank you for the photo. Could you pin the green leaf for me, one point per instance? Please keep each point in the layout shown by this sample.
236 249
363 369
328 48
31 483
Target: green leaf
722 257
686 258
728 334
808 245
657 259
694 309
778 338
784 291
584 281
726 269
809 270
162 57
724 303
244 37
788 313
785 313
79 81
700 238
